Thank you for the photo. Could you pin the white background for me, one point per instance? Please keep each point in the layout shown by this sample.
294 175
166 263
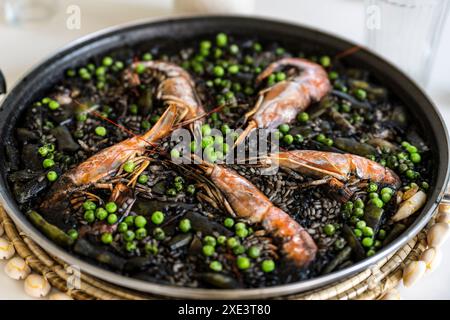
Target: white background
22 47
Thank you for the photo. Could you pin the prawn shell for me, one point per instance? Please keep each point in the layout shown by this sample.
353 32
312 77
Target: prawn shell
413 272
432 257
410 206
438 234
6 249
17 268
36 286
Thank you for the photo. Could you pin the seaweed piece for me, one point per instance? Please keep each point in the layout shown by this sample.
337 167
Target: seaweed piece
354 243
99 254
180 240
219 280
341 257
50 230
65 139
203 224
373 216
394 233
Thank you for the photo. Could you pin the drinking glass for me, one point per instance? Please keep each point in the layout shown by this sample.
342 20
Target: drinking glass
406 32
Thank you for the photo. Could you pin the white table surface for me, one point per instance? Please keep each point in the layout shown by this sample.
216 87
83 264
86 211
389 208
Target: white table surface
22 47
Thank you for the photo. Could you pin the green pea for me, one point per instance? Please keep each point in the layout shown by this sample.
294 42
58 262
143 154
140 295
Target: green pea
101 214
140 68
141 233
240 249
415 157
284 128
325 61
225 129
111 207
333 75
190 189
52 176
298 138
411 149
377 202
372 187
89 216
232 243
100 131
89 205
143 179
373 195
329 142
107 61
207 141
112 218
172 192
367 242
233 69
221 239
43 151
151 248
321 137
215 266
208 250
184 225
73 234
242 233
175 153
218 71
48 163
367 231
339 243
361 94
209 240
159 234
386 197
53 105
425 185
129 235
348 205
268 266
130 246
280 76
302 117
370 253
221 39
382 234
129 166
107 238
129 221
240 226
358 233
228 222
122 227
243 262
410 174
157 217
387 190
329 229
254 252
358 212
288 139
359 203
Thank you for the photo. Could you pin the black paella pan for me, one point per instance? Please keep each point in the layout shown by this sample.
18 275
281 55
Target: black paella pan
46 74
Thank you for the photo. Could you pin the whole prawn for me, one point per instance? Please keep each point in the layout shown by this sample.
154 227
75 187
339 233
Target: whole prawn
104 164
176 86
282 102
340 168
250 203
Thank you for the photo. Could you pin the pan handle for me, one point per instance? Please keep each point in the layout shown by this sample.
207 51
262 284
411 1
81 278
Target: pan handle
2 84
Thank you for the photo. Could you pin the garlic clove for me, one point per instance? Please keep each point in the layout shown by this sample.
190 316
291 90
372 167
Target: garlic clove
413 272
392 294
437 234
36 286
6 249
410 206
17 269
443 217
59 296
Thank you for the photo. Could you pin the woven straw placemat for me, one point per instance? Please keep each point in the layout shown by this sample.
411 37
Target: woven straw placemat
372 283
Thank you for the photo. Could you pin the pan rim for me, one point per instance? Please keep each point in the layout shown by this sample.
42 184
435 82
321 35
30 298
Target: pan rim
199 293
